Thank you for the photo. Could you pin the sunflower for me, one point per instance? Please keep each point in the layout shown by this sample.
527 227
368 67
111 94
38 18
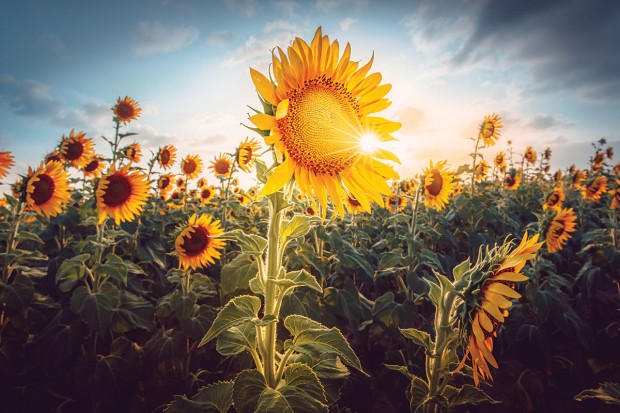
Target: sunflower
54 155
47 189
309 210
6 162
166 156
577 179
197 245
490 129
615 200
554 199
395 203
482 169
408 186
547 154
513 180
164 183
126 110
121 194
205 194
191 166
202 182
595 189
457 188
95 167
559 228
530 155
500 161
221 165
133 152
558 177
610 152
598 160
180 183
353 206
487 299
242 199
321 123
247 151
617 168
437 186
77 150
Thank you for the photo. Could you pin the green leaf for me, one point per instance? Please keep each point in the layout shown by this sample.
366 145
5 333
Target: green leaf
401 369
19 294
609 393
183 305
417 393
29 236
114 267
237 339
237 311
96 309
266 320
467 394
261 171
297 324
236 275
214 398
446 284
298 226
434 293
391 259
71 271
460 269
256 285
301 393
421 338
249 243
294 279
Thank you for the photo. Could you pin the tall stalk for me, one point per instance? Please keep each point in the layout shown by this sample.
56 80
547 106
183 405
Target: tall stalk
473 171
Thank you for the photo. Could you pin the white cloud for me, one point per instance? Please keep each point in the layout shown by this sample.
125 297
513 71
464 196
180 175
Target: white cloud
286 7
247 7
151 37
330 5
220 39
346 24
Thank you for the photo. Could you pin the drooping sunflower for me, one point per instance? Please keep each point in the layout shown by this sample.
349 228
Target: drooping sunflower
180 183
77 150
121 194
202 182
513 180
547 154
558 177
558 229
615 196
205 194
595 189
610 152
133 152
577 179
191 166
247 151
487 298
197 245
95 167
490 129
47 189
6 162
500 161
530 155
166 156
221 165
353 205
164 183
437 186
126 110
321 124
482 169
555 199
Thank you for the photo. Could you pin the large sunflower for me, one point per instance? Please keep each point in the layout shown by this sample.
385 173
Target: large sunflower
490 129
530 155
246 153
500 161
595 189
559 228
95 167
6 162
221 166
512 179
121 194
555 199
133 152
191 166
77 150
47 189
167 156
437 186
321 123
126 110
196 245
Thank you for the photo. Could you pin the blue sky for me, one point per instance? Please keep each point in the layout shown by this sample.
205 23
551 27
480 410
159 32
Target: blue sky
549 68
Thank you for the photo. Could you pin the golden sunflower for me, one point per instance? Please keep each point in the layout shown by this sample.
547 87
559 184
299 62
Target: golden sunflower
530 155
54 155
490 129
500 161
457 188
321 123
95 167
126 110
577 179
408 186
485 316
247 151
197 245
242 199
76 149
47 189
221 165
482 169
395 203
191 166
595 189
554 199
615 200
180 183
559 229
133 152
164 183
6 162
513 180
166 156
205 194
353 206
598 160
202 182
121 194
437 186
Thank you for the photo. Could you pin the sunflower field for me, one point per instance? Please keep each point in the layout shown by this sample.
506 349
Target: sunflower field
156 283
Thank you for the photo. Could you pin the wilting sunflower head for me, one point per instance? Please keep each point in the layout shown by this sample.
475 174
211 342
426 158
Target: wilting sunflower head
512 179
133 152
547 154
77 150
246 153
500 161
221 165
490 129
437 186
121 194
318 118
557 228
126 110
530 155
594 189
6 162
166 156
485 299
615 195
558 176
197 245
191 166
353 206
95 167
47 189
482 169
555 199
599 159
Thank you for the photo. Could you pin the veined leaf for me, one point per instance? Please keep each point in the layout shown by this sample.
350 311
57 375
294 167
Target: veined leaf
294 279
298 226
237 311
96 309
249 243
236 339
214 398
421 338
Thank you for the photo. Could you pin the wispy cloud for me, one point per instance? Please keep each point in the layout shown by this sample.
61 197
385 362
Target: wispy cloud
330 5
28 98
286 7
346 24
247 7
220 39
152 37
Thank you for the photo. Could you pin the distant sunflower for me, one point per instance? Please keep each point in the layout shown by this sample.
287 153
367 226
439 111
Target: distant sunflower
202 182
180 182
47 189
121 194
513 180
191 166
615 196
554 199
595 189
577 179
557 177
95 167
205 194
500 161
617 168
6 162
530 155
54 155
482 169
246 153
133 152
242 199
610 152
437 186
221 165
457 188
309 210
164 183
490 129
352 205
322 125
408 186
196 245
77 150
598 161
166 156
547 154
395 203
126 110
559 229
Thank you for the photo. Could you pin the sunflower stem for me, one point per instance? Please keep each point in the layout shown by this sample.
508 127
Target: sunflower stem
414 224
116 141
7 268
473 172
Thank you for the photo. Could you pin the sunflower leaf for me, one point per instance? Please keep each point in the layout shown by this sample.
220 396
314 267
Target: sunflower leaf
214 398
421 338
298 226
294 279
249 243
237 311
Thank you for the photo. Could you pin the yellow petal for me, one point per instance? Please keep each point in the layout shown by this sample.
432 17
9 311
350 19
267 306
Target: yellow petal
280 177
492 309
485 321
264 122
510 276
282 109
264 86
503 289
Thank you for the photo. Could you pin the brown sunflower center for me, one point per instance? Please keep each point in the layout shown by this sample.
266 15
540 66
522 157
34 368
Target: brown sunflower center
489 129
206 193
196 242
354 201
553 199
131 152
92 166
321 129
435 187
222 167
118 190
558 230
189 166
124 110
164 157
74 150
43 189
510 181
164 182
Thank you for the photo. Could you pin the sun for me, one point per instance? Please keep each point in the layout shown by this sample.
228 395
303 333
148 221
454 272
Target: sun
369 143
